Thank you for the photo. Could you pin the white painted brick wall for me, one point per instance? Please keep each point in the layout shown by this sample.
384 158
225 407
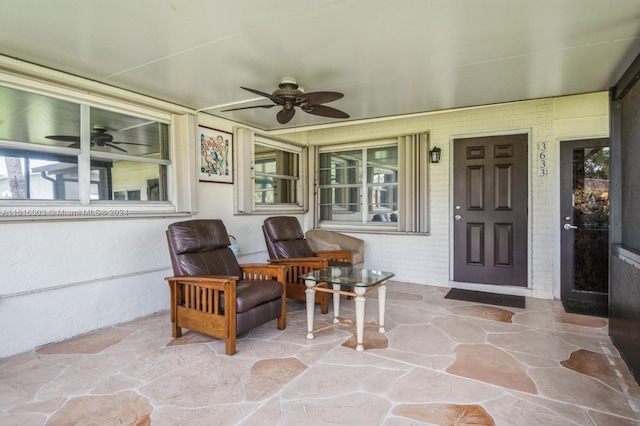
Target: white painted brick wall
426 259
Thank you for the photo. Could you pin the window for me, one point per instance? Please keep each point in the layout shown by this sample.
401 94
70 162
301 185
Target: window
378 185
66 154
359 185
153 189
269 178
129 194
277 174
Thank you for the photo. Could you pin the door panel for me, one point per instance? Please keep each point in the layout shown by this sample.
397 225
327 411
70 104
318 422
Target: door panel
475 244
585 225
475 188
490 210
503 176
504 244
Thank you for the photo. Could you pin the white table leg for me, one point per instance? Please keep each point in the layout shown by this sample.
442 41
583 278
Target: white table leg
336 304
311 299
359 300
382 296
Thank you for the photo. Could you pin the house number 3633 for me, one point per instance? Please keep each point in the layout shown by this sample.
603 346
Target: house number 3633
542 159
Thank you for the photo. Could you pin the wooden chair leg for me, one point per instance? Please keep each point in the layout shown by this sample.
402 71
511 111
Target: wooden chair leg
230 345
324 304
282 319
175 330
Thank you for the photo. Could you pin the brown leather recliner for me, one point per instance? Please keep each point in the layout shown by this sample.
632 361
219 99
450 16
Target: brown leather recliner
287 245
211 293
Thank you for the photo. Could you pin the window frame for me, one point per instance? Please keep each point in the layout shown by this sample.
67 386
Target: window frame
364 223
181 124
413 186
244 185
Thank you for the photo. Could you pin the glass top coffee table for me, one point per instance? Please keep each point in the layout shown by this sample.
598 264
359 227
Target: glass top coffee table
351 282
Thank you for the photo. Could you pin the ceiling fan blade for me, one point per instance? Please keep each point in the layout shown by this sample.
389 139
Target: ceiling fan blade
131 143
325 111
290 96
275 99
285 115
322 97
115 147
64 138
256 106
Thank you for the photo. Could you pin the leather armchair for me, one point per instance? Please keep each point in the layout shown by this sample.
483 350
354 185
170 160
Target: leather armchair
320 239
211 293
287 245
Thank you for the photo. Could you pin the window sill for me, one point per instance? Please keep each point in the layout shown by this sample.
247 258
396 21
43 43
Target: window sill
370 229
279 209
74 213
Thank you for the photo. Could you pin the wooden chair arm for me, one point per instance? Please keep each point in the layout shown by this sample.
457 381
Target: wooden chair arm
258 271
311 262
337 255
214 282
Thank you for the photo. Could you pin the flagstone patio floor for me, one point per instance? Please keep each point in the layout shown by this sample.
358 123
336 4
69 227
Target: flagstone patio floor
440 362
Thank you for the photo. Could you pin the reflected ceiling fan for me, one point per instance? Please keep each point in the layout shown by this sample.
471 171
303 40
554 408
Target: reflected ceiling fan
99 137
290 95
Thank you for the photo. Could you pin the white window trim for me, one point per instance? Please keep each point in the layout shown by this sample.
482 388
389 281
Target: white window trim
244 187
413 182
351 226
181 168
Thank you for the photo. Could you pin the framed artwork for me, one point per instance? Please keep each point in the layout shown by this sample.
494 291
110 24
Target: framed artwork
216 155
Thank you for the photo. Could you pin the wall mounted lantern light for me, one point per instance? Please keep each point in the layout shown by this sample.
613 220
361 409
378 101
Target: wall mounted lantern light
434 154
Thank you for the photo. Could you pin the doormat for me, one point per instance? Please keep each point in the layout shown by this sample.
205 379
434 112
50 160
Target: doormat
486 298
590 308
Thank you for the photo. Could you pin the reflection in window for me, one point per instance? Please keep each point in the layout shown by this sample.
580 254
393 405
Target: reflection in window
359 186
270 176
42 156
277 175
127 175
153 189
591 187
140 142
28 175
591 216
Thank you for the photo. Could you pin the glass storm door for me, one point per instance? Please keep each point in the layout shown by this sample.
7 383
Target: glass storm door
585 225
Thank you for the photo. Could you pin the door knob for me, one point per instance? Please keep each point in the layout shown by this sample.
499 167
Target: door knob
569 226
458 217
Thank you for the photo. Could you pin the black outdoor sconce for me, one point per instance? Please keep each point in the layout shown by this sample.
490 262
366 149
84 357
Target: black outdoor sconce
434 154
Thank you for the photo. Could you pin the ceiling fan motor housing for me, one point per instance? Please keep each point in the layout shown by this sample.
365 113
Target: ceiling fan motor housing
289 91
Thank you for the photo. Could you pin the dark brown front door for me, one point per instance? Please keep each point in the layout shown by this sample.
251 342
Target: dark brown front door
490 210
584 204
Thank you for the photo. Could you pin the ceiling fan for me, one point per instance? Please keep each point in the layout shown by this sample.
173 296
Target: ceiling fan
290 95
99 137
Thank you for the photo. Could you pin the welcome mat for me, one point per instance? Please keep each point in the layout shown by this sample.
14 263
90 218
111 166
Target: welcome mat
486 298
586 307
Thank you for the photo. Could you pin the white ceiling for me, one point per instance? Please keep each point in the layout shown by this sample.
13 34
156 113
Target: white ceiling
387 57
